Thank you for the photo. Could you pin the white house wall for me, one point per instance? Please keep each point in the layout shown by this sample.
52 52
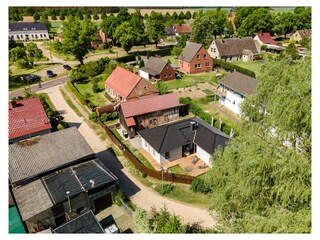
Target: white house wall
144 74
203 155
32 35
149 149
213 51
232 101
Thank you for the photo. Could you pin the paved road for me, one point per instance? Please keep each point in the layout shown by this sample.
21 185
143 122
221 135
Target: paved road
44 85
140 195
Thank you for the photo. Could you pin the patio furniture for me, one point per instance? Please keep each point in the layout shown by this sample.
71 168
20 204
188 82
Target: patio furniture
195 160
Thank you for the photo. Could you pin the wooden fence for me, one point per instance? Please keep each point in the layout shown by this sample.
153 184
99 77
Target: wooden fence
173 177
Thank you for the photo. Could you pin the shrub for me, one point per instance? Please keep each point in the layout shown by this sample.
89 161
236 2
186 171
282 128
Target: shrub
76 93
60 127
141 63
165 189
95 87
198 185
144 175
185 100
117 198
93 116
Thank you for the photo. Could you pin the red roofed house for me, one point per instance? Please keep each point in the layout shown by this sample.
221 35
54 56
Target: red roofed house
148 112
195 59
27 118
182 29
124 85
264 39
101 39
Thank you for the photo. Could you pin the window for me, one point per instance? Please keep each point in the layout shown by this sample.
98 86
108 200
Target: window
150 121
170 75
197 65
41 35
21 36
198 56
214 50
165 75
145 143
211 49
205 56
18 37
153 151
44 35
167 155
207 64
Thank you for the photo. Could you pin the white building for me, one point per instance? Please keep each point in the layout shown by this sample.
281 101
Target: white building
28 31
233 90
169 142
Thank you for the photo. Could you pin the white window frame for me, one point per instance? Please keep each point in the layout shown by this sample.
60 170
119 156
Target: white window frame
197 66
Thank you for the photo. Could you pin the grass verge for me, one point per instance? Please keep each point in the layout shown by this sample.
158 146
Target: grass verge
177 169
70 103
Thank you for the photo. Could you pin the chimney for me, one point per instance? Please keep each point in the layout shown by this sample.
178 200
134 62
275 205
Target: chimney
193 126
12 104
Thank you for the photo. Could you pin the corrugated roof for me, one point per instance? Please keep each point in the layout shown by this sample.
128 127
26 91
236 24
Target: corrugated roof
154 66
240 83
183 28
27 26
76 179
32 199
27 117
266 38
122 81
48 152
84 223
150 104
235 46
190 51
167 137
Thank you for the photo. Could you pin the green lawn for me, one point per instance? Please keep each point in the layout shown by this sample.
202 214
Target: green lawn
15 70
253 66
172 59
177 169
190 80
86 89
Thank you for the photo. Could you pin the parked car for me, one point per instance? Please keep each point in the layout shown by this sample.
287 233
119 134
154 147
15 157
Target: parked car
50 74
31 78
67 67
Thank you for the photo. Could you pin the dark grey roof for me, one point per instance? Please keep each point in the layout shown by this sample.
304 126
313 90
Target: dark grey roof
167 137
85 223
170 31
27 26
240 83
190 51
32 199
76 179
39 155
235 46
154 66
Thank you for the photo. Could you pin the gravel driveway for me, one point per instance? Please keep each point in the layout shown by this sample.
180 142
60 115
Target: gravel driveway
141 196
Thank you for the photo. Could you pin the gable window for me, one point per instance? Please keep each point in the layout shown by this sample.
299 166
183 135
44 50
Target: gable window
211 49
165 75
207 64
167 155
198 56
197 65
170 75
205 56
214 50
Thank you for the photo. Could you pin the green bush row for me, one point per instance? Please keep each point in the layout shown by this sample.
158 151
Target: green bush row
231 67
76 93
164 189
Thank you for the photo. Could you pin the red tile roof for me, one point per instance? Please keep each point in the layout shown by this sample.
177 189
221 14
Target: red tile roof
148 105
122 81
183 28
27 117
130 121
266 38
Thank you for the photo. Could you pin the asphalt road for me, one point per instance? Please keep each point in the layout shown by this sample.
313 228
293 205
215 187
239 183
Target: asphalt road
36 88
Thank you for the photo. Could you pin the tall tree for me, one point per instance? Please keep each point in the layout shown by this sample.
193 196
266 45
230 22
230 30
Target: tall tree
155 27
137 24
36 16
77 36
33 52
125 35
260 183
109 26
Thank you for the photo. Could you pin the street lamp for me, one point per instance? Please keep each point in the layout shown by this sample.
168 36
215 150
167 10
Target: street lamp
162 169
68 192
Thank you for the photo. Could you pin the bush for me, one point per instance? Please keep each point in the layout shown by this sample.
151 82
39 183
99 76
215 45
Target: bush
76 93
167 188
108 116
60 127
124 59
185 100
117 198
141 63
144 175
198 185
93 117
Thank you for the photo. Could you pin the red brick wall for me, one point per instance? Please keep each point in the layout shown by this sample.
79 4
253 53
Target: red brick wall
190 67
167 70
143 89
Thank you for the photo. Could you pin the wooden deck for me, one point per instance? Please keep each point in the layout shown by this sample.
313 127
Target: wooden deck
193 169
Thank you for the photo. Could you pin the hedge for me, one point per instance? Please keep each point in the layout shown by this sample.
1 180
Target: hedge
124 59
231 67
76 93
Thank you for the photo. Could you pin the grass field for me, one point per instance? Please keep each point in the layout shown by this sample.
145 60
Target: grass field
253 66
86 89
177 169
190 80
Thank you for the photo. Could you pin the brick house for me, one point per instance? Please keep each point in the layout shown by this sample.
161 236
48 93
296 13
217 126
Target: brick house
181 29
27 118
123 85
148 112
233 49
157 69
195 59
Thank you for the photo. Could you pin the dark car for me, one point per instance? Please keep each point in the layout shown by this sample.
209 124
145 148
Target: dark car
67 67
50 74
32 78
